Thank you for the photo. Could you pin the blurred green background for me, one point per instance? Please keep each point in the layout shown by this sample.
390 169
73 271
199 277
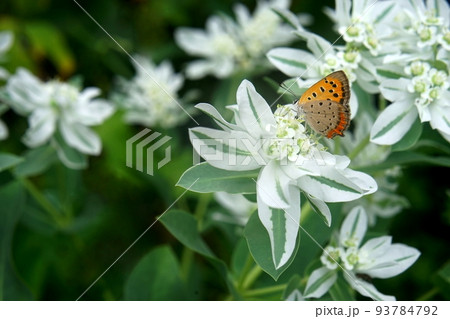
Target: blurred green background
109 205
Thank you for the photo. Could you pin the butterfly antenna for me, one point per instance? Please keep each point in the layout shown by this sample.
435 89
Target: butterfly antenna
287 89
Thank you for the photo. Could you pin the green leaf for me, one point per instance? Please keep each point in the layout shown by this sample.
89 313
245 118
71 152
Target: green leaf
12 199
341 290
211 179
184 227
8 160
155 277
259 245
410 138
37 161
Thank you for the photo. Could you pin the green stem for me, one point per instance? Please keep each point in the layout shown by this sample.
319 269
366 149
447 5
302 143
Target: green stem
359 147
265 290
245 270
43 202
382 104
429 294
305 212
188 255
251 277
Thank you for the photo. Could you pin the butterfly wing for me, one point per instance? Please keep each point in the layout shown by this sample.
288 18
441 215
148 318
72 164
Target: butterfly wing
325 105
334 87
327 117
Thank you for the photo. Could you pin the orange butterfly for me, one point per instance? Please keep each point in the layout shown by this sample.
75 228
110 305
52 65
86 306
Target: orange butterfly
325 105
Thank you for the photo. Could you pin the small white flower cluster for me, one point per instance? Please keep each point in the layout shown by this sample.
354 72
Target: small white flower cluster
151 97
58 112
291 139
377 258
227 46
427 83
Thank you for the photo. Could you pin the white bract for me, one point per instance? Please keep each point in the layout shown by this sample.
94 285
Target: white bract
365 25
288 160
421 88
238 207
151 97
56 109
227 46
6 39
376 258
423 93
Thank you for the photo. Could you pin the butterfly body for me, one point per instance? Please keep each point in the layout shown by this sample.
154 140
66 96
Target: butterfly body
325 105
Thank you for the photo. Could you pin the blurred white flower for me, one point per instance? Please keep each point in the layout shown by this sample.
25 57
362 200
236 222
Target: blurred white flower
289 160
376 258
150 98
227 46
55 109
238 207
6 40
3 127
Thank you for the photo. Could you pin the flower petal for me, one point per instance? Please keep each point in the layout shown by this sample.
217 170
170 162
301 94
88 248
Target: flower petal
367 289
353 228
42 123
319 282
254 111
292 62
80 137
234 151
393 123
273 186
282 225
394 261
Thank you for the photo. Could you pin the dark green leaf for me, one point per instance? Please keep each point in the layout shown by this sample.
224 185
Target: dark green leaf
36 161
155 277
8 160
204 178
259 245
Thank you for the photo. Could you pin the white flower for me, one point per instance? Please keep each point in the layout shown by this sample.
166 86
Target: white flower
288 161
3 127
424 94
376 258
237 205
227 46
6 40
58 109
151 97
366 24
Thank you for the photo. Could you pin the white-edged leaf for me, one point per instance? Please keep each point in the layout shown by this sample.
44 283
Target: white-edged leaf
353 228
367 289
333 186
282 226
393 123
394 89
394 261
321 208
295 295
292 62
234 151
80 137
254 111
319 282
272 186
217 117
374 248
